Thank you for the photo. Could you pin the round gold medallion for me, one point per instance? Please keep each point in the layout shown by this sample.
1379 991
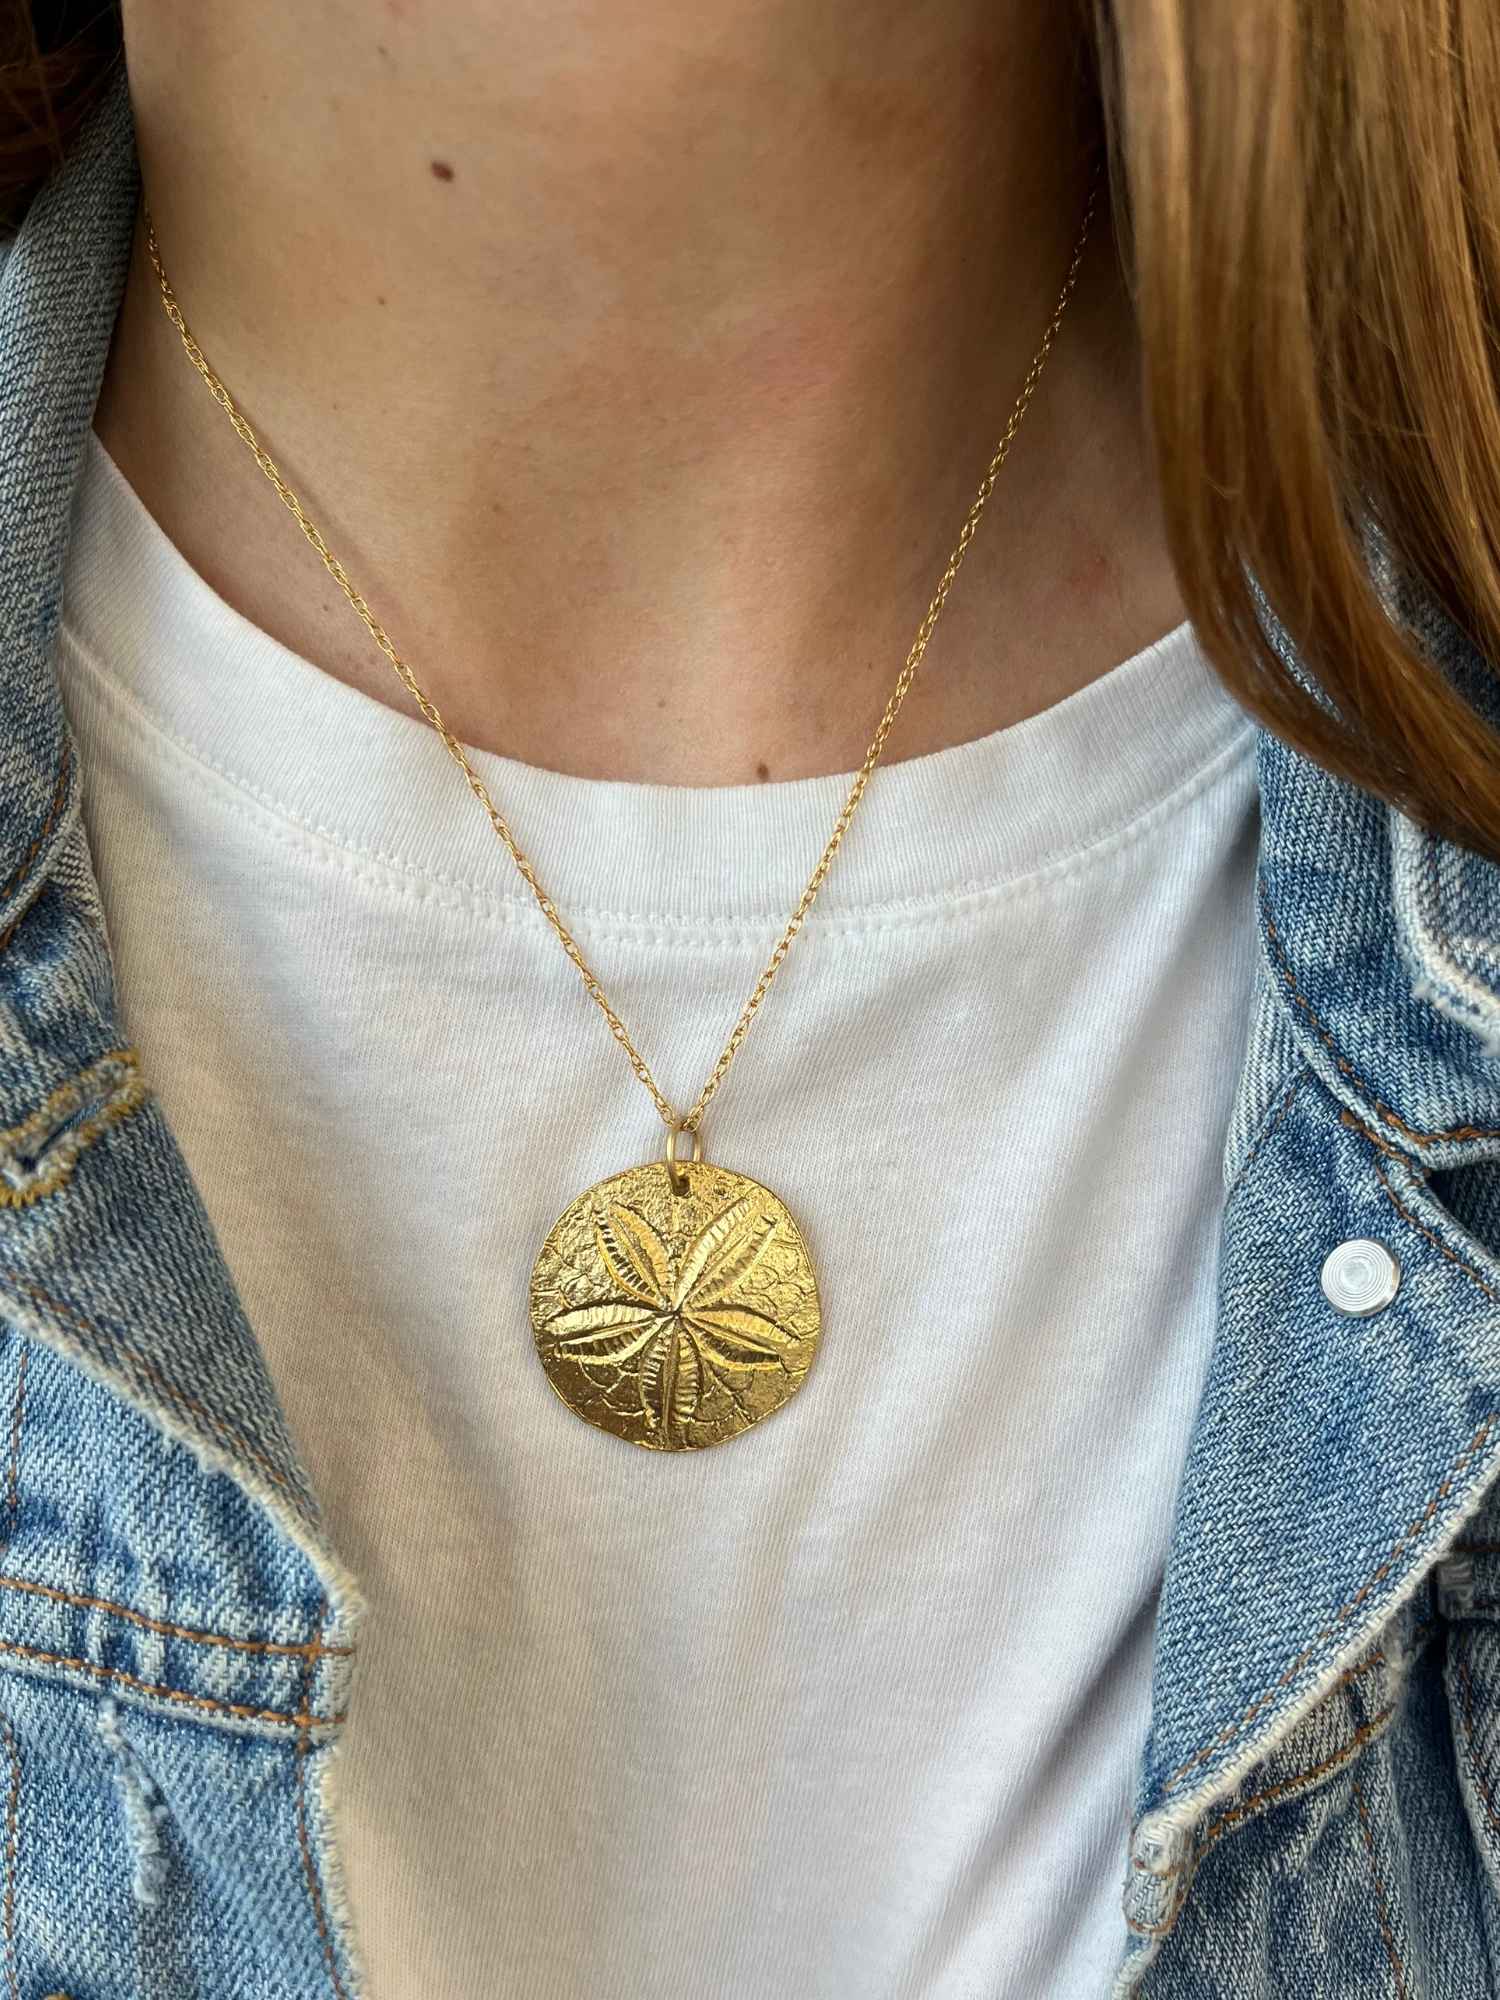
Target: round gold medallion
675 1319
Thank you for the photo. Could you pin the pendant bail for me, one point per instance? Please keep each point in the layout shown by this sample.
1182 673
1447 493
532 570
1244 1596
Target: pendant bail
678 1178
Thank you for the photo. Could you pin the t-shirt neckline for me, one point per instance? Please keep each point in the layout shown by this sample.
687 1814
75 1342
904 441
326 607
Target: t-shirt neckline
1039 795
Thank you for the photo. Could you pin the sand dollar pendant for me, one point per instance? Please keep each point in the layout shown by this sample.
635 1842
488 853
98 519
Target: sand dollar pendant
674 1304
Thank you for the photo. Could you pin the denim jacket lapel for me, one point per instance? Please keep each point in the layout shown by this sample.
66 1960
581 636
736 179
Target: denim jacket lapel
106 1253
1334 1458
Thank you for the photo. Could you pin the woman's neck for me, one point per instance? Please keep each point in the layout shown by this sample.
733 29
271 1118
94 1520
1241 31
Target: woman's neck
642 363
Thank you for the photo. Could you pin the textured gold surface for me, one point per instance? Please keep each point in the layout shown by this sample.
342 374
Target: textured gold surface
675 1321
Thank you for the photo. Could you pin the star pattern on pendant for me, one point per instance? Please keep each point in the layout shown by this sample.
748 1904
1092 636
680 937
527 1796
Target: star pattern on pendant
675 1320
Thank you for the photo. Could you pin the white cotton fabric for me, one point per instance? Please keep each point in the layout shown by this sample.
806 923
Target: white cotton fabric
849 1708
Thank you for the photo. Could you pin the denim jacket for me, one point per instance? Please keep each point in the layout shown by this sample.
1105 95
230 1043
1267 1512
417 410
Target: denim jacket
1318 1809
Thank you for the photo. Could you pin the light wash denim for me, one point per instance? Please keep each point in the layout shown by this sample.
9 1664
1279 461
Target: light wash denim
1318 1812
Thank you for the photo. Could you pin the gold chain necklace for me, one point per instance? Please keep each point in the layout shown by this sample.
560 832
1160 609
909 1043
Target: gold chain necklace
674 1304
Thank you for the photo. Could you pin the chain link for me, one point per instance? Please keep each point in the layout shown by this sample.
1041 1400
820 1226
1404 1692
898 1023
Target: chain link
692 1121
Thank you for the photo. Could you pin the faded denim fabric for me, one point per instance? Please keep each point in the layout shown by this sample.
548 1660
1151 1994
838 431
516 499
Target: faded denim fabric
1319 1802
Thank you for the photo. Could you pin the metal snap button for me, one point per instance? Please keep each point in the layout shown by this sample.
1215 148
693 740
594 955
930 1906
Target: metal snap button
1360 1277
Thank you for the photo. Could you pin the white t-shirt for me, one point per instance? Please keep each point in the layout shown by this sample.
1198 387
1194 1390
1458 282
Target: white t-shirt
849 1708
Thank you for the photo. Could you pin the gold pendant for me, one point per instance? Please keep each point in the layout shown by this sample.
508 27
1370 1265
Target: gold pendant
674 1304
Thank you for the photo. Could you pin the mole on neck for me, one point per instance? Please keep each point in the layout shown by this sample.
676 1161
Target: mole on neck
642 365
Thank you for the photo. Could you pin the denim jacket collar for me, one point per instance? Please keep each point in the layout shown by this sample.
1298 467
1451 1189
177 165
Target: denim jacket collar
1333 1458
60 287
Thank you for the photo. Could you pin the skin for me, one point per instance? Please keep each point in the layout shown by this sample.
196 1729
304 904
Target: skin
641 363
